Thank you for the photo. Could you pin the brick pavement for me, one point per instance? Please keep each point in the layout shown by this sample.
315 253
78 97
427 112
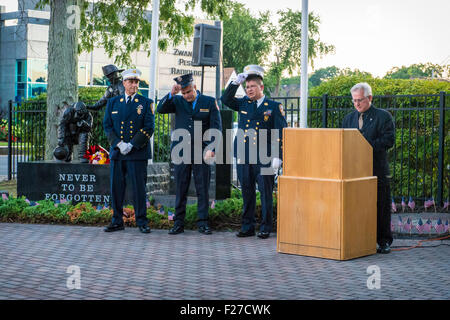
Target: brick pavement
130 265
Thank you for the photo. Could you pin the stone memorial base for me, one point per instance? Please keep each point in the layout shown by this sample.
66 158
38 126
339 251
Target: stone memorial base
80 182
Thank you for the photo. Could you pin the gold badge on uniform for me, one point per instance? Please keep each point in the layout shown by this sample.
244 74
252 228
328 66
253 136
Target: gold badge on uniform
281 109
267 114
121 100
139 109
266 104
136 100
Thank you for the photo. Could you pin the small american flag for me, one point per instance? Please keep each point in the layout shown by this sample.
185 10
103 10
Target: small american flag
99 208
400 221
63 200
392 226
403 204
213 204
407 226
439 227
147 204
170 215
427 226
446 204
420 226
446 226
393 206
105 206
161 211
427 204
56 202
4 196
411 203
28 201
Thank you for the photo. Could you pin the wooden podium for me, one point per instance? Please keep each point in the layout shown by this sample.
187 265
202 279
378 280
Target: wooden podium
327 195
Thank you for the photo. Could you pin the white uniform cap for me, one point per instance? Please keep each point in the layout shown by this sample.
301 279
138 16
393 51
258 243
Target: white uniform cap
131 74
254 69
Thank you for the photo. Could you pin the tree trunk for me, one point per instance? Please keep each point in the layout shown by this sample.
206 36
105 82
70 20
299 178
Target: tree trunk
62 89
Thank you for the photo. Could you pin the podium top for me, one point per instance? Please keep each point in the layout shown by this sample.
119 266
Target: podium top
326 153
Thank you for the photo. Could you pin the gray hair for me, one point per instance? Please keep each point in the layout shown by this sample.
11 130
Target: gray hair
362 86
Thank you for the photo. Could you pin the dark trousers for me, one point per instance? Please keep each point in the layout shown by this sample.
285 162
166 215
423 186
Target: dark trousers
202 174
136 170
384 233
249 175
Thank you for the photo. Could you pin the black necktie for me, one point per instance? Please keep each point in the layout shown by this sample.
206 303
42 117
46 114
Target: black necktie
128 99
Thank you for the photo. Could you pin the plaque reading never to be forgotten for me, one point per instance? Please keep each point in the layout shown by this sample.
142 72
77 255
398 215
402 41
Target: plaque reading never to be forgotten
76 182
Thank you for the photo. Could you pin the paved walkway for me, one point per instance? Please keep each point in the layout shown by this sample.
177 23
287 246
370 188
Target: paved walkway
34 260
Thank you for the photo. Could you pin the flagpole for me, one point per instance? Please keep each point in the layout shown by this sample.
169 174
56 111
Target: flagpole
304 66
153 59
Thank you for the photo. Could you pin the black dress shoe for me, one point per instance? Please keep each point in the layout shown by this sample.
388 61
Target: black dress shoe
384 249
204 230
176 230
243 234
114 227
263 234
144 229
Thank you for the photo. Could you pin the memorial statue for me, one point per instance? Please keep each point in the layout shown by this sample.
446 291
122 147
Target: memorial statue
115 88
74 128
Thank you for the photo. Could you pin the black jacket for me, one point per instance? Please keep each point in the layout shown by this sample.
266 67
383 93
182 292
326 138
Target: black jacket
378 129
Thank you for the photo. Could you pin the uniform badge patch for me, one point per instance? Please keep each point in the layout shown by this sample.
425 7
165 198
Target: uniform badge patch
281 110
267 114
121 100
136 100
139 109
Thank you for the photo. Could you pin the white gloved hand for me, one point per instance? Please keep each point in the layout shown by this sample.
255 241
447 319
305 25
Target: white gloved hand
240 78
123 147
127 149
276 163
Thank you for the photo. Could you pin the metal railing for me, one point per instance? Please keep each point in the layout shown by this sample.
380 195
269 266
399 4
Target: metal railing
419 161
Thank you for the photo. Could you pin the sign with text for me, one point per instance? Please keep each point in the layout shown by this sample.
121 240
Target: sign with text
76 182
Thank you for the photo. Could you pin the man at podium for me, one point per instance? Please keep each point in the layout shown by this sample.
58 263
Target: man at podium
258 117
377 126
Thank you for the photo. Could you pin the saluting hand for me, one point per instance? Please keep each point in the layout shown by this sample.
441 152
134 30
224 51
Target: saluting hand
175 89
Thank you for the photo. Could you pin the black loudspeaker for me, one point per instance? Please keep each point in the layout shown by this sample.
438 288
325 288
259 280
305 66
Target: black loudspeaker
206 47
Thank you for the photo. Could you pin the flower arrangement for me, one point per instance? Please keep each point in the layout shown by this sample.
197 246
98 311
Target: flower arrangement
97 155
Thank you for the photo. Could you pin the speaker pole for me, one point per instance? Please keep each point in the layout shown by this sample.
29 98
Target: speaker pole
203 73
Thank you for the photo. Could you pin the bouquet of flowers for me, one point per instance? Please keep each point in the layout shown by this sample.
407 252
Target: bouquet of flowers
97 155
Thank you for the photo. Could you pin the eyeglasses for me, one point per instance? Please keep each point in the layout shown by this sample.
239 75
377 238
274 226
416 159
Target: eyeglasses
355 101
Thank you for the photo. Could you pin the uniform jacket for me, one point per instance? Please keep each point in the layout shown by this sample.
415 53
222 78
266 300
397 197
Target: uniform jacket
133 123
206 110
378 129
269 115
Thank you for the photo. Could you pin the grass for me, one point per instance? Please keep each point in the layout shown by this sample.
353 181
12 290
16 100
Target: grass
10 186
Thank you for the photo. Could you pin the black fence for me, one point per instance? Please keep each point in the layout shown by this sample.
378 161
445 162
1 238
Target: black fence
27 125
419 161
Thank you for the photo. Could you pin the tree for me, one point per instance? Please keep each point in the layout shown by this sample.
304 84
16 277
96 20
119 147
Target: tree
286 41
119 26
328 73
421 70
245 38
62 88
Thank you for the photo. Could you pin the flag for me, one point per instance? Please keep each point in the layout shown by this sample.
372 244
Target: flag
147 204
393 206
63 200
28 201
161 211
427 204
403 204
170 215
407 226
56 202
427 226
420 226
411 203
400 221
99 207
213 204
439 227
446 226
392 226
4 196
105 206
446 204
